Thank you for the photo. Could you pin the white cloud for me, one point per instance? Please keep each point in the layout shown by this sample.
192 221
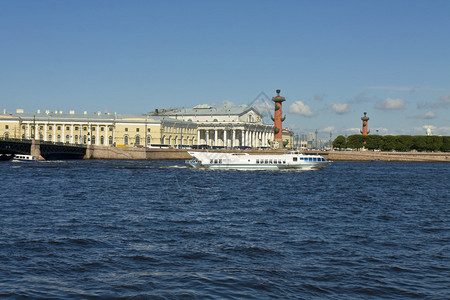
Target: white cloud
444 130
446 98
300 108
264 107
353 130
340 108
391 104
328 129
228 103
426 116
319 97
379 130
395 88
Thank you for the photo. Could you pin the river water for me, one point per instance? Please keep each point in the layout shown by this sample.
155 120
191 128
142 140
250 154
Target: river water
156 230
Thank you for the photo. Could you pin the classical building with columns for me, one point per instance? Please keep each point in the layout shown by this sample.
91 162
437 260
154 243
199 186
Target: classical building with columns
98 129
224 127
202 126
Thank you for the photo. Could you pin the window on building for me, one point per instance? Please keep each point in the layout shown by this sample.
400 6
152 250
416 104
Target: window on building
110 140
50 127
76 128
67 139
102 140
137 129
102 128
93 128
137 140
125 139
58 138
148 129
6 135
23 127
126 129
149 140
84 139
76 139
49 137
59 127
93 140
6 126
67 128
85 128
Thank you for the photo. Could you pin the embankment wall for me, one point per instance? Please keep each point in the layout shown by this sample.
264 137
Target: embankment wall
104 152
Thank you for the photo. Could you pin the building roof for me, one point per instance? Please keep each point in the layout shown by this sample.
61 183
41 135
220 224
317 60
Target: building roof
205 109
95 117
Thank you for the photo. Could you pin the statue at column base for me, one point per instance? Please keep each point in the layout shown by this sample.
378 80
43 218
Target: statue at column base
277 144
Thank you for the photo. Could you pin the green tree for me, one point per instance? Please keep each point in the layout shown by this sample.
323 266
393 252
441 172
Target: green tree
404 143
428 143
373 142
445 144
355 141
389 143
339 142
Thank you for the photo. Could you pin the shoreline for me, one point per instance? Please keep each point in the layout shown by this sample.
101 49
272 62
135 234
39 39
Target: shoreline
114 153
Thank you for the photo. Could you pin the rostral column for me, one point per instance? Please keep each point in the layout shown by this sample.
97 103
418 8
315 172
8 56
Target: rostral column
278 121
364 130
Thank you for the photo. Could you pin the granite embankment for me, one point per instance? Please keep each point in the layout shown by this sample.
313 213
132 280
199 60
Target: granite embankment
388 156
102 152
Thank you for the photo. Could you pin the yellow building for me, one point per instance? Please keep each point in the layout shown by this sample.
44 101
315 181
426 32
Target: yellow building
288 138
99 129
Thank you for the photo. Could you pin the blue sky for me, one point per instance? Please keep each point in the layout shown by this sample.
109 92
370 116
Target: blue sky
333 60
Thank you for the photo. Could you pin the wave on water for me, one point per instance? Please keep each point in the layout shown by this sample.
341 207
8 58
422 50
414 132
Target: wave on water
153 229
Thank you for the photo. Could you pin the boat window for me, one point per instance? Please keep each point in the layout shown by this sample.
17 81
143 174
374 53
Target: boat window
257 161
284 161
267 161
294 158
211 161
270 161
220 161
314 158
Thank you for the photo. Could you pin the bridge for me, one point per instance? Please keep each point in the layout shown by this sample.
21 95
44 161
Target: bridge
40 149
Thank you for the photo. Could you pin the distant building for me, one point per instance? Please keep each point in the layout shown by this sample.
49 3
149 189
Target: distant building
288 138
224 127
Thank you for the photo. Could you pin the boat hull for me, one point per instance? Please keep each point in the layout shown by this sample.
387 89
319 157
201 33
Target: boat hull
245 161
242 167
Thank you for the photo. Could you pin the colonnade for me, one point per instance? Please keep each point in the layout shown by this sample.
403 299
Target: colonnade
235 137
77 133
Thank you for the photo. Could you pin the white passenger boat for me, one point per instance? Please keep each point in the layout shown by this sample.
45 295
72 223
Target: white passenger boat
243 161
23 158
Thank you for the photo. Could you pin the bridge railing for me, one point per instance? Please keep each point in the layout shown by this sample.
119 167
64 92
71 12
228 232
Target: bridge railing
15 140
42 142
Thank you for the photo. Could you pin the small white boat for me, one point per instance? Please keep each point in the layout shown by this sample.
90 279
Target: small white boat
244 161
24 158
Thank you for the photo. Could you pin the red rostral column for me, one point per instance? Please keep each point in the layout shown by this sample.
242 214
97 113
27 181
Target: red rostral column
364 130
278 121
